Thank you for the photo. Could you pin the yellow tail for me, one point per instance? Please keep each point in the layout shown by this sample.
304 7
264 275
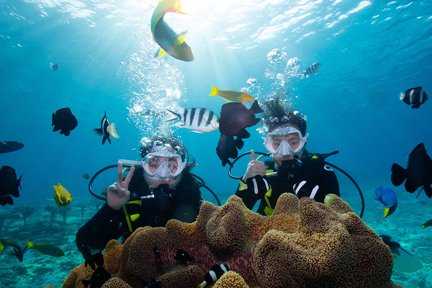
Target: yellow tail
214 91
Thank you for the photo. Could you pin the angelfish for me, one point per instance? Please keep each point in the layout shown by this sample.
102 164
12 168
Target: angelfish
169 41
106 129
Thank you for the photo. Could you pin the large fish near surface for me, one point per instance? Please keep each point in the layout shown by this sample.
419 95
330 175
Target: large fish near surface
9 185
169 41
196 119
235 117
418 172
10 146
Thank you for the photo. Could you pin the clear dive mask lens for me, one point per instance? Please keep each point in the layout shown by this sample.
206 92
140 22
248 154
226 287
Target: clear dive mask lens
163 166
285 141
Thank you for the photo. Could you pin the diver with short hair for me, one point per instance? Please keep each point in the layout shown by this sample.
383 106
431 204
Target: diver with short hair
291 168
160 188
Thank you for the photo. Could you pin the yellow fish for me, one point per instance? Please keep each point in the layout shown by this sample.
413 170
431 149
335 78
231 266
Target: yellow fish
62 196
232 95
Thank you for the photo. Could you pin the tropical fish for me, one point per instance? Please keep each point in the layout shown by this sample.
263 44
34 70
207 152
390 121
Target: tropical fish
231 95
183 257
414 97
18 251
227 148
215 272
235 117
9 185
312 69
106 129
196 119
169 41
86 176
10 146
388 198
100 274
417 174
64 120
54 66
44 248
62 196
427 224
403 261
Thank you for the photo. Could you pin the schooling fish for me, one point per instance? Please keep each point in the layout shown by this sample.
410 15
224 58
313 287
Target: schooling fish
227 148
232 95
196 119
44 248
214 274
9 185
388 198
64 120
61 195
418 172
427 224
312 69
10 146
169 41
414 97
235 117
106 129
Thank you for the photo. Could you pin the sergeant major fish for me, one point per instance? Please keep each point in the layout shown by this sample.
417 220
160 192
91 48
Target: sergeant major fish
196 119
106 129
414 97
312 69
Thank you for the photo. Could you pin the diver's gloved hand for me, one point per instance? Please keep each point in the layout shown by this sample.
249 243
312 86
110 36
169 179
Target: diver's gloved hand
254 167
86 252
305 189
118 194
257 185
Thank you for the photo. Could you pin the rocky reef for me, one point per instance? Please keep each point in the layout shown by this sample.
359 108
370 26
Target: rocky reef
303 244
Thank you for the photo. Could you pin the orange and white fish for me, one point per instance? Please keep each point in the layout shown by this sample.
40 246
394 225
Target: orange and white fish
169 41
232 95
61 195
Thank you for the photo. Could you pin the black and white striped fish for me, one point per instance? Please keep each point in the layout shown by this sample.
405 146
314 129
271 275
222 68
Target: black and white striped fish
196 119
312 69
414 97
214 274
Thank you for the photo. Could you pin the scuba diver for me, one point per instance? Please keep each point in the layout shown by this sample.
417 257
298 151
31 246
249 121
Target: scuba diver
291 167
160 188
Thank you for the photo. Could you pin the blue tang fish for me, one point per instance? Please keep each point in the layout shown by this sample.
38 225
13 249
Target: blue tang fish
388 198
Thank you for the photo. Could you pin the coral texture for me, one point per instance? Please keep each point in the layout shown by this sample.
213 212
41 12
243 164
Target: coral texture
303 244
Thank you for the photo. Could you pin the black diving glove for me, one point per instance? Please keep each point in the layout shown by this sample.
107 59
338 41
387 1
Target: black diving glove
257 185
306 189
88 257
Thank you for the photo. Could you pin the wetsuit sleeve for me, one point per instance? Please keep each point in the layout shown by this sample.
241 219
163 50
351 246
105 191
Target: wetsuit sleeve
249 199
102 227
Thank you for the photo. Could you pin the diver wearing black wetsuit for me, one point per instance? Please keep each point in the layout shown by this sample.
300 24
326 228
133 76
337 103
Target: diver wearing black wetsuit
147 206
319 178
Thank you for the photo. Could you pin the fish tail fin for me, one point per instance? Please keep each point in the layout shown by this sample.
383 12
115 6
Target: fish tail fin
98 131
398 174
104 139
19 182
256 108
177 116
401 96
214 91
159 53
30 245
428 191
112 130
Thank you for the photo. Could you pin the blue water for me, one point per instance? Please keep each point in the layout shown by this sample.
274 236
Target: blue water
369 51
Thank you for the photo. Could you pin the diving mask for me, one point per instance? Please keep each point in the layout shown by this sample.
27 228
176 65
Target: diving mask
285 141
163 163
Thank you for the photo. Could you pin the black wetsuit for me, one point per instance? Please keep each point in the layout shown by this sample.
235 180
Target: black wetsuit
161 205
310 168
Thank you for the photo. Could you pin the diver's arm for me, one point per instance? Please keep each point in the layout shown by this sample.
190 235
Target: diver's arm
249 199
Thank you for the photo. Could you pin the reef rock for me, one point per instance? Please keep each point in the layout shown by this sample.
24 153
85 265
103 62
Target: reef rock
303 244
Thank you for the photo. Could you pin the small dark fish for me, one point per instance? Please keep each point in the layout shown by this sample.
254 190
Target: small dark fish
417 174
18 251
100 274
54 66
9 185
414 97
427 224
312 69
64 120
214 274
235 117
86 176
196 119
227 148
106 129
10 146
183 257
